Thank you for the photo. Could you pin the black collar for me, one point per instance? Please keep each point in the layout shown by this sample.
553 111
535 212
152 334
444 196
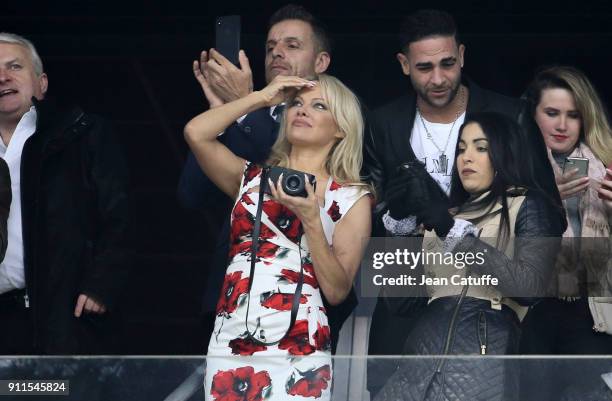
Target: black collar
404 114
56 126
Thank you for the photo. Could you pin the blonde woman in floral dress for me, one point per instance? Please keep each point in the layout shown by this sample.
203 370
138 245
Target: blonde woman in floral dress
257 351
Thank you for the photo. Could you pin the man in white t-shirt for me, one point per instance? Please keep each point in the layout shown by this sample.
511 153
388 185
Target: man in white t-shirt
420 126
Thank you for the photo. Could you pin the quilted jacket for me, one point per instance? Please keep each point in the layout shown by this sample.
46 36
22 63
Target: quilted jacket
468 326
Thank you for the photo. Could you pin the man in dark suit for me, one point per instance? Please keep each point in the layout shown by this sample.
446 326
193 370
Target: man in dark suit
66 264
423 125
296 45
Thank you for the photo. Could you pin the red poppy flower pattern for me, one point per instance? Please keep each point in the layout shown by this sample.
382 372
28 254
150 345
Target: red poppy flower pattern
308 267
241 384
284 219
322 337
293 277
296 341
311 383
334 186
279 300
245 346
305 369
266 249
241 233
234 286
242 223
250 172
246 198
334 211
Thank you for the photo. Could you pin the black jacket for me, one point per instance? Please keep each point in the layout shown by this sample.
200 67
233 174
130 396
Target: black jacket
74 217
5 204
388 145
462 325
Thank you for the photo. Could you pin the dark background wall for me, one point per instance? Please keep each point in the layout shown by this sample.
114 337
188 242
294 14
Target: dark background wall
131 62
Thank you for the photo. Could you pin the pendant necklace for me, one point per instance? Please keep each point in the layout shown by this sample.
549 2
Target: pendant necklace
443 159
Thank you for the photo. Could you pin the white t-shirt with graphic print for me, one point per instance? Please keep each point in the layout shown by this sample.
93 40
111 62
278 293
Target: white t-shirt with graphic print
427 152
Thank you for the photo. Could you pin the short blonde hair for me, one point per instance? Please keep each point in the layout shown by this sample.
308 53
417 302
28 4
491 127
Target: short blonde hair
346 156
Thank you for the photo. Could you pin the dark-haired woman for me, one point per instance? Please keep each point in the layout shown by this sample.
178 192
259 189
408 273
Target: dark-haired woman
573 123
502 210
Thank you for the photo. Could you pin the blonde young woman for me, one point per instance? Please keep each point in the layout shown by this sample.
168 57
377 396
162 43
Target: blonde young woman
271 336
574 123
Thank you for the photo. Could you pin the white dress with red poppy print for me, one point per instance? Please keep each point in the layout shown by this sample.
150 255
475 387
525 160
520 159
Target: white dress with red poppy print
299 366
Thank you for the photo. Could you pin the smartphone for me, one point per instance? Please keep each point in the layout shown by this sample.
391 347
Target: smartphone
581 163
227 37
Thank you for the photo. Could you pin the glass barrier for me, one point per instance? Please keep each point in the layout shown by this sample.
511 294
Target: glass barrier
392 378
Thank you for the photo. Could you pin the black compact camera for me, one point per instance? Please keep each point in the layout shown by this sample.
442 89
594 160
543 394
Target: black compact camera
293 181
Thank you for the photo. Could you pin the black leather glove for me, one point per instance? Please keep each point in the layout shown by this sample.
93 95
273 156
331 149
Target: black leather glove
435 214
5 205
407 192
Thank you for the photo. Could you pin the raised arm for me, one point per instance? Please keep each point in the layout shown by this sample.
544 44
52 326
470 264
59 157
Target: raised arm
222 166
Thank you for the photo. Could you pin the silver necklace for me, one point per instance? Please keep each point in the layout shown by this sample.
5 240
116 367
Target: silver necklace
443 159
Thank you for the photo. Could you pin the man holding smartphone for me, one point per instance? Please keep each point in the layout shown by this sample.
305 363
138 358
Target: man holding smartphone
296 45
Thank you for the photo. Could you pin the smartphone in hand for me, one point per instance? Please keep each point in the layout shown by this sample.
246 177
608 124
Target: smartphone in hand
581 163
227 37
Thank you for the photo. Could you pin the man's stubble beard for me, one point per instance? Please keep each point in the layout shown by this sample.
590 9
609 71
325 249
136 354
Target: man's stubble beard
422 93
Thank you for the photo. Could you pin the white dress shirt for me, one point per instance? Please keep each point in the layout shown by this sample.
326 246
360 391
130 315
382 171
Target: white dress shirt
12 274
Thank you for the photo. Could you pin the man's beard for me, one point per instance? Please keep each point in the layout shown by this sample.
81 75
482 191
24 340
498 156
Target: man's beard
269 76
422 93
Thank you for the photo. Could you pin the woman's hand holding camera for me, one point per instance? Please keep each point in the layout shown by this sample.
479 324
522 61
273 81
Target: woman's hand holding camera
306 209
279 89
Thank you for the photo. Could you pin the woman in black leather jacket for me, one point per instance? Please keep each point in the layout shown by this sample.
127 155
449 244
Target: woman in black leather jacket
501 209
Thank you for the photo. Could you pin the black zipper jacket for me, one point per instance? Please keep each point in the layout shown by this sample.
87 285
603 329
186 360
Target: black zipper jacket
74 217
